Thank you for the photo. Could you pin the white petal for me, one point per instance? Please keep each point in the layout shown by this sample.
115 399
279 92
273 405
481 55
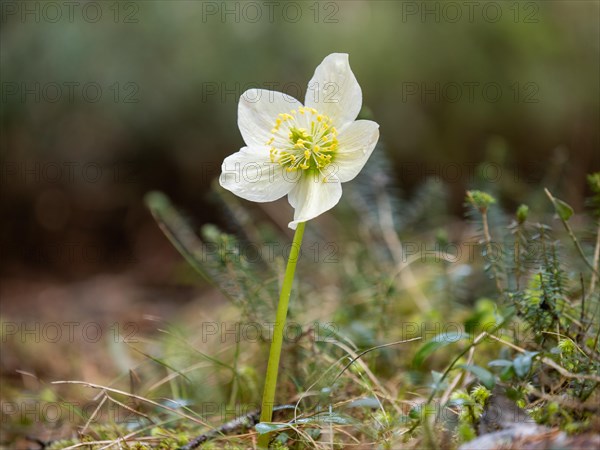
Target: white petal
257 111
356 143
250 174
334 91
312 196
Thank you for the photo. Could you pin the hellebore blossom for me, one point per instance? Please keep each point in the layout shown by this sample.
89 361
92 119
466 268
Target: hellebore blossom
303 151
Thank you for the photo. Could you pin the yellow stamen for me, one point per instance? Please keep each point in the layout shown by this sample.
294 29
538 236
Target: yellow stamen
312 148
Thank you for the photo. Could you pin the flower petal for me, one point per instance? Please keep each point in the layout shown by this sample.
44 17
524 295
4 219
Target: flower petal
356 143
334 91
250 174
257 111
313 195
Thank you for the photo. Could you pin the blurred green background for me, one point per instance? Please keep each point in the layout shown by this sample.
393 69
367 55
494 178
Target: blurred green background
104 101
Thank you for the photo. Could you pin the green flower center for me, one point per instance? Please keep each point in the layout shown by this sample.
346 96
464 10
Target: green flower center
303 139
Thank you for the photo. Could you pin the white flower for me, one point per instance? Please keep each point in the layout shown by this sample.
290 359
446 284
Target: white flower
305 151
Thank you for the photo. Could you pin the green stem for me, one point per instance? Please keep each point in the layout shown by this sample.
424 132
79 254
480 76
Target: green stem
277 342
572 235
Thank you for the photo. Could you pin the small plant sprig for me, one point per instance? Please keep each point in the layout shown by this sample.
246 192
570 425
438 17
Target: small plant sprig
542 300
471 405
520 233
564 212
482 201
594 202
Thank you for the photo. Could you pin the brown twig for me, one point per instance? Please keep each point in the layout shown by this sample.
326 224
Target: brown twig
565 402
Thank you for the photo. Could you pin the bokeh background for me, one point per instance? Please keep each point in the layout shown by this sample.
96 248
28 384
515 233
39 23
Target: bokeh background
103 102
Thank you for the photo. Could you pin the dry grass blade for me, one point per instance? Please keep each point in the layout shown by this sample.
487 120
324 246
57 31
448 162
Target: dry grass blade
87 424
361 354
137 397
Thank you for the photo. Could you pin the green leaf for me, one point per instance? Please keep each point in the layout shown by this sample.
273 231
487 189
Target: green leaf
483 375
508 373
460 402
282 438
563 209
334 418
415 413
441 340
500 363
522 363
327 418
267 427
367 402
438 384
